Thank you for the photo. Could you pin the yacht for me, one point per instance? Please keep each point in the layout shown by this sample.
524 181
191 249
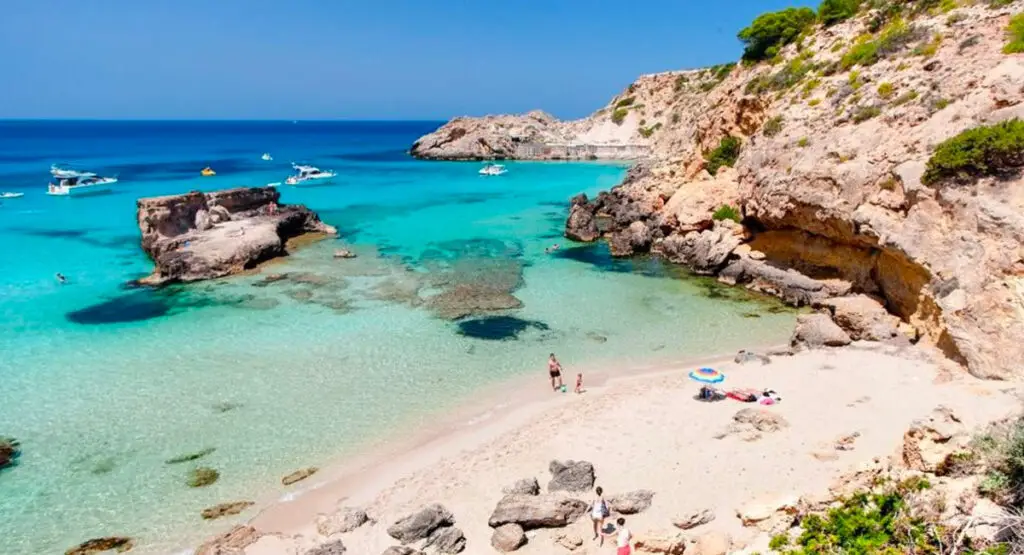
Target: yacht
11 195
207 172
76 184
266 157
308 173
493 169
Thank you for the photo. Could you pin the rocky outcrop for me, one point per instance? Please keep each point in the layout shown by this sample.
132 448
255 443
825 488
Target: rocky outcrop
299 475
342 521
197 236
231 542
817 330
526 486
225 509
631 502
828 181
666 542
571 476
705 252
99 545
446 540
421 524
508 537
336 547
537 511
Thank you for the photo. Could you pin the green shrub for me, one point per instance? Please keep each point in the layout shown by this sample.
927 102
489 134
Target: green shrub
681 81
725 154
940 104
905 97
619 115
726 212
769 32
946 6
831 12
675 118
778 542
1015 35
646 132
721 71
803 142
886 90
865 113
929 48
790 74
855 82
628 101
809 87
814 102
870 522
985 150
868 50
773 126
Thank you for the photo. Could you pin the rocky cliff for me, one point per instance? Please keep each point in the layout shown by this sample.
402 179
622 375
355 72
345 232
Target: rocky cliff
833 138
198 236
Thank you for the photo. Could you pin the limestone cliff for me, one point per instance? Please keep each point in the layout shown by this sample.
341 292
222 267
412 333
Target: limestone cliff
828 184
198 236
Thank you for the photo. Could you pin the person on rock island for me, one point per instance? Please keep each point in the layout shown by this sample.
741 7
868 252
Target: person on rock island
555 372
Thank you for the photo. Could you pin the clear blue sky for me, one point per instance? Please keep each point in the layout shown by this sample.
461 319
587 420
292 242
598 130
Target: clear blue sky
342 59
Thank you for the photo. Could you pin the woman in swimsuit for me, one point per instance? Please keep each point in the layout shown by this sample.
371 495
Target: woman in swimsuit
555 371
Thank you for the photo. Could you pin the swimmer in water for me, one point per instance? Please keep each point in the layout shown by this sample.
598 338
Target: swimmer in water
60 278
552 248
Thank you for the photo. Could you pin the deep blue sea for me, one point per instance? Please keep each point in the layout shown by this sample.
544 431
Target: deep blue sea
103 383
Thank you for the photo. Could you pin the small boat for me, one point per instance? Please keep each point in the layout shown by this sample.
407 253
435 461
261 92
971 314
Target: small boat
309 173
493 169
11 195
77 184
207 172
266 157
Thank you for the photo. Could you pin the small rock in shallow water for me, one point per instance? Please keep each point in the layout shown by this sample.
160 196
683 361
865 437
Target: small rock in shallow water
9 450
344 253
202 477
299 475
190 456
99 545
226 509
225 406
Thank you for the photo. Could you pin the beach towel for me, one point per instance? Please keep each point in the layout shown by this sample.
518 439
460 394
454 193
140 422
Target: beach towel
742 395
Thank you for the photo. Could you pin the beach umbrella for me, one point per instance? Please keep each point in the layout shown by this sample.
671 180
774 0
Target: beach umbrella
707 375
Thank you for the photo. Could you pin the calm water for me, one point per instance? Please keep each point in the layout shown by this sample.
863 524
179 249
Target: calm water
102 383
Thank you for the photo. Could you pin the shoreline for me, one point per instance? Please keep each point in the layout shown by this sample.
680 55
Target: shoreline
395 476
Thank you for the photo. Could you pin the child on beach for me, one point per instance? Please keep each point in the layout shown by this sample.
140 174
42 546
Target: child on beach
579 383
598 512
623 538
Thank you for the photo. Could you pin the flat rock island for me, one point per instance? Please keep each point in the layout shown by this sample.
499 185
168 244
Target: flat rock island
197 236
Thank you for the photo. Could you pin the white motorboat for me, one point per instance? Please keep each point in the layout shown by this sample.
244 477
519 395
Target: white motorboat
11 195
493 169
266 157
77 184
309 173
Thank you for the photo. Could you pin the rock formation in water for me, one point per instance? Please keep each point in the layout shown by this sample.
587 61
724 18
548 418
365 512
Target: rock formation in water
834 138
197 236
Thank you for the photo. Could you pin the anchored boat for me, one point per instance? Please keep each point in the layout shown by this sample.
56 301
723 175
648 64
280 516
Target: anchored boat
309 173
76 184
493 169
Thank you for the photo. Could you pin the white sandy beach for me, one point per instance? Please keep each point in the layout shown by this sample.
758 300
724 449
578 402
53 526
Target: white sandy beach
644 431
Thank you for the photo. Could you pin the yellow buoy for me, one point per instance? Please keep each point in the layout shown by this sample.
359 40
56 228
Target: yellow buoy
207 171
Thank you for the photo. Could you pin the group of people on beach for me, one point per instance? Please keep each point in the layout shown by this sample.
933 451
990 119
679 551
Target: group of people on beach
555 373
599 511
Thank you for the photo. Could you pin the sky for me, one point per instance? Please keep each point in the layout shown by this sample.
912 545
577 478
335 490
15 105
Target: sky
343 59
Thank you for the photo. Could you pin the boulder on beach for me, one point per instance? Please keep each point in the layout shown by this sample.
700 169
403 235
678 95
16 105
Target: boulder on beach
668 542
446 540
419 525
713 543
401 550
299 475
571 542
571 476
526 486
693 519
231 542
226 509
537 511
335 547
762 420
508 537
99 545
631 502
197 236
818 330
342 521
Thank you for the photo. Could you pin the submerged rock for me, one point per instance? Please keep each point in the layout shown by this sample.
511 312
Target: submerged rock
471 299
197 236
99 545
299 475
190 456
497 328
225 509
10 449
202 477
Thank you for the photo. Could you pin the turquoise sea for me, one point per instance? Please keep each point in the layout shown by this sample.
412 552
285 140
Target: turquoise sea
102 383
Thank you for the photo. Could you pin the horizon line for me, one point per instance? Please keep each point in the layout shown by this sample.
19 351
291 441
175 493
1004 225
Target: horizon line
193 120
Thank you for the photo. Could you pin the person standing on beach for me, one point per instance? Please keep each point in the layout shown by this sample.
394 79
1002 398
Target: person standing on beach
555 371
624 537
598 512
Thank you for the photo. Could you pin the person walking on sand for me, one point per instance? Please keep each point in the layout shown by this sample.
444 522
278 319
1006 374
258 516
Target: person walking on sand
598 512
623 538
555 371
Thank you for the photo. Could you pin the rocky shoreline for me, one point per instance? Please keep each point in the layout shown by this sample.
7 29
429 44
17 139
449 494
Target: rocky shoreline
198 236
805 179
